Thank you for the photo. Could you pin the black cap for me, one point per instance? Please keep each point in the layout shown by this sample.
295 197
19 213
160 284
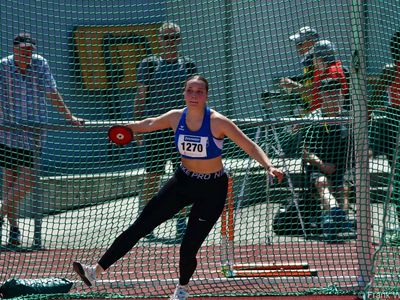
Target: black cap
24 40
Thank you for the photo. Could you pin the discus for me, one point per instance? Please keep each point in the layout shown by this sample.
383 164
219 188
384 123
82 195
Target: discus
120 135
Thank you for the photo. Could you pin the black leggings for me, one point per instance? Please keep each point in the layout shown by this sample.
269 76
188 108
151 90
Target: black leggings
207 193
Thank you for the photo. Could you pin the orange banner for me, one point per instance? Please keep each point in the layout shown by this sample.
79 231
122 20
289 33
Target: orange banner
108 55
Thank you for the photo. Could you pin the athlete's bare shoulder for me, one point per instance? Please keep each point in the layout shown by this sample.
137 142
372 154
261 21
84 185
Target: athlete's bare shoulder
215 116
219 124
219 118
174 116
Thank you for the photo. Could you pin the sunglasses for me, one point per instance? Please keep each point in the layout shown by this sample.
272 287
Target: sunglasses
170 37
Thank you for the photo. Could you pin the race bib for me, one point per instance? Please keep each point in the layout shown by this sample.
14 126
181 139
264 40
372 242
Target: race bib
193 146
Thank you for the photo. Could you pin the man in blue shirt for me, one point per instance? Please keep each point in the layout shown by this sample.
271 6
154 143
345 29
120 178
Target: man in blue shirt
25 84
160 84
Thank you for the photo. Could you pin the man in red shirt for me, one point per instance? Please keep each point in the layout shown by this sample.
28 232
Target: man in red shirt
328 76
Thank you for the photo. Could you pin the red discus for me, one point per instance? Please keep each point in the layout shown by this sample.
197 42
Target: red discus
120 135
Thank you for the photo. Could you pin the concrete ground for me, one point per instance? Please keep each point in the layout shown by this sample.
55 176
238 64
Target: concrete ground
97 226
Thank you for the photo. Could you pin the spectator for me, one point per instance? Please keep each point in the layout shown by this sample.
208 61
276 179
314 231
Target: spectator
304 40
328 79
384 136
25 83
161 79
325 154
200 180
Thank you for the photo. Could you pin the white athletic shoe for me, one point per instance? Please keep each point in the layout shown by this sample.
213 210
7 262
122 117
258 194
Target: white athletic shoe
87 273
180 293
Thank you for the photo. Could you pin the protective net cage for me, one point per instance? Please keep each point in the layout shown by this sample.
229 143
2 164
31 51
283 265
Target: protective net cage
326 113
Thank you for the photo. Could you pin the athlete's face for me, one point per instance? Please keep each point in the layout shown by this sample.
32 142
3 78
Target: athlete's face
195 93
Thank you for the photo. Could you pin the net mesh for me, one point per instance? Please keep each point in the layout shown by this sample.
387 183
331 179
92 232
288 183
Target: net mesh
72 192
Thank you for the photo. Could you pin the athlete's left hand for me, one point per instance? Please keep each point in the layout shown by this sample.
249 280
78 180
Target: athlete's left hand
276 173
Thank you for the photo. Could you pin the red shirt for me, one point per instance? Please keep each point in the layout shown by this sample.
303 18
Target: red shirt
394 88
334 71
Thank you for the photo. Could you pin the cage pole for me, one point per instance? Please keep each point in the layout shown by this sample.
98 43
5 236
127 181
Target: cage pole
360 127
228 72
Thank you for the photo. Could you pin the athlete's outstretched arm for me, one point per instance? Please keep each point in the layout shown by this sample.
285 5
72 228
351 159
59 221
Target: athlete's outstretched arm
163 121
252 149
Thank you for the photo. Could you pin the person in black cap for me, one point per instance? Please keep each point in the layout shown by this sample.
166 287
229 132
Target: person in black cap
304 40
297 86
25 83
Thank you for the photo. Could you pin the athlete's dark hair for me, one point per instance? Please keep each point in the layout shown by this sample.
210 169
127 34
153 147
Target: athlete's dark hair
197 77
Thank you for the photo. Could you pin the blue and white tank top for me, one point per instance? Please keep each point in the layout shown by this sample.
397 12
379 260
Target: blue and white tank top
200 144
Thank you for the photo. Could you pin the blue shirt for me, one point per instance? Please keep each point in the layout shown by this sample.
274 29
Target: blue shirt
200 144
23 100
165 81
